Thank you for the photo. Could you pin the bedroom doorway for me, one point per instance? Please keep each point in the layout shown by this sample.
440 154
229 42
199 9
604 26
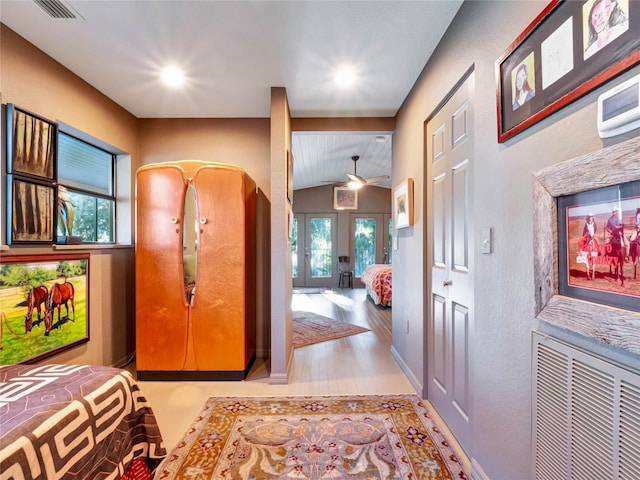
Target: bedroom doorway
313 249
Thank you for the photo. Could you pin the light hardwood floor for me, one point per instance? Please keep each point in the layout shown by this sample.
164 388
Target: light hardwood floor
360 364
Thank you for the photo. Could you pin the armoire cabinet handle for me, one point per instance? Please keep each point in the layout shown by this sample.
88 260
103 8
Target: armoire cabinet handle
173 220
203 220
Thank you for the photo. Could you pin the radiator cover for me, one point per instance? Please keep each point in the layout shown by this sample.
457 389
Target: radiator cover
586 415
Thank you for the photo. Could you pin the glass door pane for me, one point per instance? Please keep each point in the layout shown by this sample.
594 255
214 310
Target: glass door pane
294 248
321 244
316 266
364 241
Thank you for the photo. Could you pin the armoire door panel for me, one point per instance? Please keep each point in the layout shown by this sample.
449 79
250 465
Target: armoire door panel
218 313
161 309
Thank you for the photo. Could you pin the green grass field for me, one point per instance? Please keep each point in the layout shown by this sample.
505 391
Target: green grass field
18 346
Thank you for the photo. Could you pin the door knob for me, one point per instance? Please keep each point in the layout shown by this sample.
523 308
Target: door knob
447 283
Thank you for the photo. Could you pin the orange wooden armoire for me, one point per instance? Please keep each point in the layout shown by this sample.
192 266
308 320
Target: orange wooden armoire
195 271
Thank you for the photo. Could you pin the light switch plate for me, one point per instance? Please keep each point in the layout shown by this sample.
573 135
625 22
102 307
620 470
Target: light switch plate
487 241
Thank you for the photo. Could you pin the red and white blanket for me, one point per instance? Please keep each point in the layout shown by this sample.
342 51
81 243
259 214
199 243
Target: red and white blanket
377 281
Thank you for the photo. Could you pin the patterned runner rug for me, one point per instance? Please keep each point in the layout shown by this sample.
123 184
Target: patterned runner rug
346 437
309 328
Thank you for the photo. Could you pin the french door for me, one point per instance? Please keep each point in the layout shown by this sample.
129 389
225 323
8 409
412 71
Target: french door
314 246
370 241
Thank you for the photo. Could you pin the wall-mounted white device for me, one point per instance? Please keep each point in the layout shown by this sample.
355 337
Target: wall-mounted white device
619 108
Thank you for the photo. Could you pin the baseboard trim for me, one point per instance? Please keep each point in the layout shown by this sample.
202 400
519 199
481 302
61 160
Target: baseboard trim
477 473
283 378
407 371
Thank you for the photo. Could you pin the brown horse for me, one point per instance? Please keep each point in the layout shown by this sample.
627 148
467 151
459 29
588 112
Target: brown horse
60 294
634 251
35 298
616 254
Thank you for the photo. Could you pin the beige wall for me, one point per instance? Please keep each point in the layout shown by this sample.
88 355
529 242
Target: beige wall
501 198
281 316
371 200
237 141
34 82
242 142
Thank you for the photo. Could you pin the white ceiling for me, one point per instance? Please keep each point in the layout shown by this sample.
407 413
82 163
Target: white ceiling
233 52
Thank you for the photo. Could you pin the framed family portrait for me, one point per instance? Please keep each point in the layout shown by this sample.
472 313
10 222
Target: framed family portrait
31 211
345 198
569 49
44 305
31 144
403 204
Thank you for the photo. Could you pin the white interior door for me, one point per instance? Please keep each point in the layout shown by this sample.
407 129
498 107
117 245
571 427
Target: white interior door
449 150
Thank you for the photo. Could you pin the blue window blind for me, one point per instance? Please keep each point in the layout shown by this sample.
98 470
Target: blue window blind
84 166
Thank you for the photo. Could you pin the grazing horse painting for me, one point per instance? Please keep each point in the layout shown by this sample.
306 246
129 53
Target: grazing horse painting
36 297
60 294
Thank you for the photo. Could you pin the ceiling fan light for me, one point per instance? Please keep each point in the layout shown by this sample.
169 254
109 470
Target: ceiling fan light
355 184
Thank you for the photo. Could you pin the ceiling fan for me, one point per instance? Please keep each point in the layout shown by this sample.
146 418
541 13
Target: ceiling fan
355 181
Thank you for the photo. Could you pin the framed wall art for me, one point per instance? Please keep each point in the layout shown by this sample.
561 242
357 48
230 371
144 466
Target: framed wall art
31 208
345 198
599 245
44 300
31 144
604 307
290 177
403 204
567 51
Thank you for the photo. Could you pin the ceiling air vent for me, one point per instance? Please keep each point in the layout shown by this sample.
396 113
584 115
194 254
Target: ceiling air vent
57 9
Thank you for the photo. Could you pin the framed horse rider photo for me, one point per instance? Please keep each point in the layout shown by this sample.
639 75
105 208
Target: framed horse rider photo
44 305
598 245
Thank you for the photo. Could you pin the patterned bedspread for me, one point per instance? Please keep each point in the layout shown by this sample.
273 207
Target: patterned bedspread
377 281
73 422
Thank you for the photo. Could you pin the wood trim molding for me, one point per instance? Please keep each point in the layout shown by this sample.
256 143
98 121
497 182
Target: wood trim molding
609 166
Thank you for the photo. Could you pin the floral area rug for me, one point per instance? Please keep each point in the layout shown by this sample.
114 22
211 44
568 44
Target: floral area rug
310 328
337 437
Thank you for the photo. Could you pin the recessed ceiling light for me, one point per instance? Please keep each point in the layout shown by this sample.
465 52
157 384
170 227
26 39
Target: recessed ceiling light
172 76
345 76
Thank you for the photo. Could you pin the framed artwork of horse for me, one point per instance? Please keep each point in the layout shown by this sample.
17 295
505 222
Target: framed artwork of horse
44 305
598 240
602 175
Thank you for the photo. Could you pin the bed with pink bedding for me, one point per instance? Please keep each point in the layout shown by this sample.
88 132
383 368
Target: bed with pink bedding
377 282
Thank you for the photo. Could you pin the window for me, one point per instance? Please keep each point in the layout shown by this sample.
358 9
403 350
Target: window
86 193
